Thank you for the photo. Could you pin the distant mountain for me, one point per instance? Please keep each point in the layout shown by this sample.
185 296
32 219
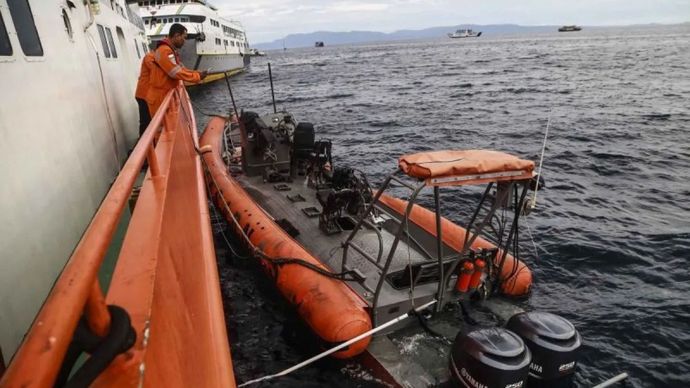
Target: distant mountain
335 38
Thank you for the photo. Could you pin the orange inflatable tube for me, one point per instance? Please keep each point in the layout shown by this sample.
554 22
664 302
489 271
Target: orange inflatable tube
331 309
515 277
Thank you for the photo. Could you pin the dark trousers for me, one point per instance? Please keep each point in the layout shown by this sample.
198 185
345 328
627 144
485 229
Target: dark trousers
144 116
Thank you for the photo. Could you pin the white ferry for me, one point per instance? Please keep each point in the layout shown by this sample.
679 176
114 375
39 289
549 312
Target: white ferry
213 43
68 118
465 33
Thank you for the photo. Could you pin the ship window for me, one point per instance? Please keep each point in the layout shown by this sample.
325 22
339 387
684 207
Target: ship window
26 29
112 43
177 20
5 46
104 42
136 46
68 24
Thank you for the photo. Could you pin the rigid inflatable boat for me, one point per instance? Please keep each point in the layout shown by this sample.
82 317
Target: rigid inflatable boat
351 257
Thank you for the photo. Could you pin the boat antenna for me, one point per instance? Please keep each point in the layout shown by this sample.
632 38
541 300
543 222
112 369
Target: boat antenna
232 98
533 202
273 96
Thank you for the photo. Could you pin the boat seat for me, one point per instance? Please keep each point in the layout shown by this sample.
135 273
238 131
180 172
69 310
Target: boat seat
304 141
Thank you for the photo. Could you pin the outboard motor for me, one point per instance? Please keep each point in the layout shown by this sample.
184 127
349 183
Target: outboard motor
554 343
489 358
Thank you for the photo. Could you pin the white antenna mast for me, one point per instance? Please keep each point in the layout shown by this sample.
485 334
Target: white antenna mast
533 202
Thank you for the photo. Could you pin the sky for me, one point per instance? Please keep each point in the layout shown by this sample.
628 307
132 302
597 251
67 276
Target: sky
266 20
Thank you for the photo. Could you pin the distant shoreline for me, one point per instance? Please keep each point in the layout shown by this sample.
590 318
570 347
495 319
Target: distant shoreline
333 38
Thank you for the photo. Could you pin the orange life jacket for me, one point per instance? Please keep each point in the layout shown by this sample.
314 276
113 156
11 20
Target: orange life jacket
166 74
144 74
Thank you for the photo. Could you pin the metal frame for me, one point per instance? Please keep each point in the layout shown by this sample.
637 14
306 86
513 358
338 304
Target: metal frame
474 230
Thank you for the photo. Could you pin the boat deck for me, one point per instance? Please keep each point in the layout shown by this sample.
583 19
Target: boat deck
383 352
328 248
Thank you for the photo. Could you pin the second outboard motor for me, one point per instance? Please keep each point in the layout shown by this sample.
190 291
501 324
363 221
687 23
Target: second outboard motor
489 358
555 345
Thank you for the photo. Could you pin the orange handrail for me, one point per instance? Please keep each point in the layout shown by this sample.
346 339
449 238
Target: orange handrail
77 290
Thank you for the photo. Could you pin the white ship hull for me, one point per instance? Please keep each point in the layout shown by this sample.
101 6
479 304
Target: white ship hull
67 119
218 63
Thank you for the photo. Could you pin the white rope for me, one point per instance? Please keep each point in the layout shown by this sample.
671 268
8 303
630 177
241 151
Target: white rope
335 349
612 381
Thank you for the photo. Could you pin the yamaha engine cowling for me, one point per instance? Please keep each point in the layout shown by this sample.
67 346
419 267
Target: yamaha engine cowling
554 343
489 358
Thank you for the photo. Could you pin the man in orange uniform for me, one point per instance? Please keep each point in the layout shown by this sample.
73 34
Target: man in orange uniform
168 69
142 90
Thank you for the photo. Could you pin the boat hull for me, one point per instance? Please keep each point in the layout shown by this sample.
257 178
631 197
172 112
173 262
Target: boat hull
217 62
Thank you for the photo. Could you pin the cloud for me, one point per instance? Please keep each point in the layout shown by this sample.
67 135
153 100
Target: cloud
357 7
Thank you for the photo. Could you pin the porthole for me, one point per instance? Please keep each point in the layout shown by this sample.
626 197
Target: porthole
68 24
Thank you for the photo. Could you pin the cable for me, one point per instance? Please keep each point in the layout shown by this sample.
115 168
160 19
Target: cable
280 261
209 114
231 248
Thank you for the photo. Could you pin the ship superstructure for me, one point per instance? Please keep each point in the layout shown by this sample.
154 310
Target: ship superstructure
214 42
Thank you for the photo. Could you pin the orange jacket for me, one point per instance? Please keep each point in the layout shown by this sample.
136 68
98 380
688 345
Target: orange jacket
165 74
144 74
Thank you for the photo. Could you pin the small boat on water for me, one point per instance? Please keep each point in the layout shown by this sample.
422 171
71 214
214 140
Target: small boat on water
319 44
464 33
572 28
366 267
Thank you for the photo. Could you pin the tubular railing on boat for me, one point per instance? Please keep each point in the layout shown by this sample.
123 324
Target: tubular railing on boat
165 278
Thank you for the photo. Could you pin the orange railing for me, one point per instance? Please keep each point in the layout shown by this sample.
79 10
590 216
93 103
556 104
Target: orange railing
173 190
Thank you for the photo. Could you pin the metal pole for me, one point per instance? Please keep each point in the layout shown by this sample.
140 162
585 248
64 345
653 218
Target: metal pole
439 249
273 97
232 98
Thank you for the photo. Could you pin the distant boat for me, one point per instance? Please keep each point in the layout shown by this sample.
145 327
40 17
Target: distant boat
465 33
569 28
318 44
